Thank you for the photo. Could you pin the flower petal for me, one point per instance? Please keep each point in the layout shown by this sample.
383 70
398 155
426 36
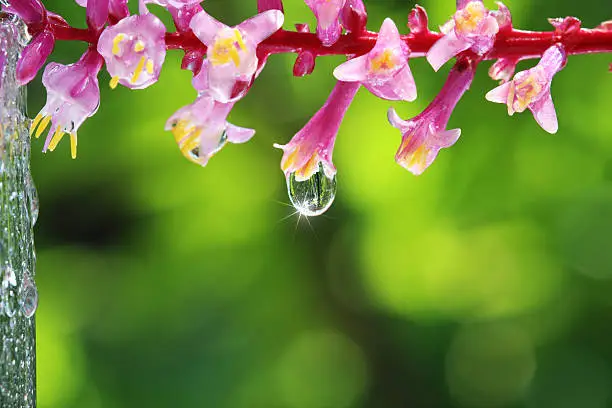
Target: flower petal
352 70
544 113
499 94
444 49
34 56
237 134
263 25
205 27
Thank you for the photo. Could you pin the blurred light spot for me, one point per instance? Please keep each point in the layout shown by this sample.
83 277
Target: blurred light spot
494 271
584 234
490 365
570 379
320 370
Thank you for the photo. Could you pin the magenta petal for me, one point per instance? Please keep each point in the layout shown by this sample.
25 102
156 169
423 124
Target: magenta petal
354 16
118 9
396 121
544 113
34 56
237 134
182 16
97 13
444 138
30 11
352 70
205 27
263 5
444 49
418 20
304 64
499 94
263 25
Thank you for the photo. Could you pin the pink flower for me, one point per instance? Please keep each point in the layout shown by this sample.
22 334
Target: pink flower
473 27
201 129
531 89
384 71
134 50
34 56
73 95
329 14
118 9
232 51
424 135
314 144
503 69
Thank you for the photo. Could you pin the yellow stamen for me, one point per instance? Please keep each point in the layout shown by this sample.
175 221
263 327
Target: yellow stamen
116 42
522 93
73 145
383 62
467 20
139 46
227 49
43 126
114 82
418 159
138 69
35 122
150 67
309 168
289 162
56 138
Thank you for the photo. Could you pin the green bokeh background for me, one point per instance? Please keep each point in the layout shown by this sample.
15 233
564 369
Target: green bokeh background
485 282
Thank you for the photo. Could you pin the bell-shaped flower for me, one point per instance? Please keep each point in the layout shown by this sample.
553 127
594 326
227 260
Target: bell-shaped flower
424 135
73 95
473 27
332 15
531 89
232 51
201 129
134 50
384 71
314 144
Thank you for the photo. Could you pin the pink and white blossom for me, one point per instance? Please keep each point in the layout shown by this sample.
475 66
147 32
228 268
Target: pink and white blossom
314 144
530 89
473 27
73 95
424 135
201 129
232 51
384 71
134 51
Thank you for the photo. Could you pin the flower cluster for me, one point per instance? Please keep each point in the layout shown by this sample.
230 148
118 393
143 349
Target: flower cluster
225 62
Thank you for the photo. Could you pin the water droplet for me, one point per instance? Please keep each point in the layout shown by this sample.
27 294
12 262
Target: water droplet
314 196
195 153
33 195
28 297
9 278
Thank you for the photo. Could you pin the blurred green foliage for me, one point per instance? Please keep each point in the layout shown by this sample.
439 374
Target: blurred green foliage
485 282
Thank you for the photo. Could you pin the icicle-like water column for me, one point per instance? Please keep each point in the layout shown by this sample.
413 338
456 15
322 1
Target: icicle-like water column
18 211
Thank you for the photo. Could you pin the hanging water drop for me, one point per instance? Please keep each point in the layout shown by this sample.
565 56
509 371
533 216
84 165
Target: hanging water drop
314 196
28 297
33 197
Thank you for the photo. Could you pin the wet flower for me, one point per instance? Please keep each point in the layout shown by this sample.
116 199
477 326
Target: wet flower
531 89
201 129
314 144
73 95
34 56
329 14
473 27
134 50
384 71
424 135
232 51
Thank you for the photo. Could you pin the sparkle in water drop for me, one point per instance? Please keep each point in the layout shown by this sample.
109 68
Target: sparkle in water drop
314 196
28 297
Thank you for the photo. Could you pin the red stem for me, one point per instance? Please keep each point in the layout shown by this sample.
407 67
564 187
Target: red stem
512 43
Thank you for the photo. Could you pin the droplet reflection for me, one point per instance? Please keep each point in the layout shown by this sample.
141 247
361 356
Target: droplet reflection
314 196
